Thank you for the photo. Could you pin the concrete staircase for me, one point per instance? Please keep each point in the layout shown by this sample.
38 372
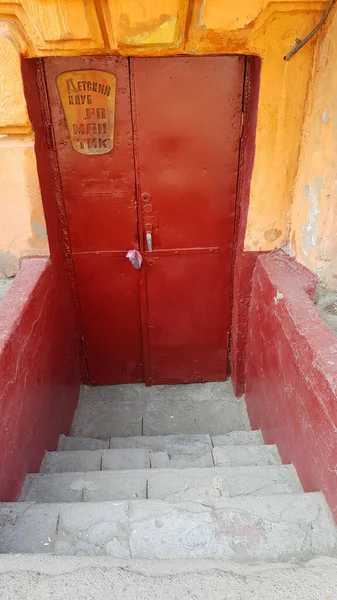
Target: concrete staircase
166 473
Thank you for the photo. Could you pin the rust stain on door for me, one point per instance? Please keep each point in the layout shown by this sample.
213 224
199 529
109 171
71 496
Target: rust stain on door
88 99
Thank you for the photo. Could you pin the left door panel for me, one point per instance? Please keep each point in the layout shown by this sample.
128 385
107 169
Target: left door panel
101 212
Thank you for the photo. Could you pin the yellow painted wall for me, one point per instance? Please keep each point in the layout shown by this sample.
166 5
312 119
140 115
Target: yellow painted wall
314 215
23 230
167 27
22 225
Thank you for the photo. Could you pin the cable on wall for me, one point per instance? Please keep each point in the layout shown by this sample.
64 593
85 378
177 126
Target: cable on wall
301 43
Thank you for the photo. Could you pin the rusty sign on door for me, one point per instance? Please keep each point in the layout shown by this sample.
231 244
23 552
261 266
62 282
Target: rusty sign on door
88 100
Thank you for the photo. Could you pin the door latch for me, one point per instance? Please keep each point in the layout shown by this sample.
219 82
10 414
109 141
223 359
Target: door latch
149 241
148 236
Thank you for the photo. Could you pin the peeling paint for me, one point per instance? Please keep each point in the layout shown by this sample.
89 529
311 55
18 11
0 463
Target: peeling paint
161 32
272 234
325 116
278 296
39 229
312 192
9 264
315 237
201 15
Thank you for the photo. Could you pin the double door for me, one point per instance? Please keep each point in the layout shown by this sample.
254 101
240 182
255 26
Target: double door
148 156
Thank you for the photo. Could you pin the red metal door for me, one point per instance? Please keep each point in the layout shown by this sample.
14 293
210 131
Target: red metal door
101 212
184 141
187 114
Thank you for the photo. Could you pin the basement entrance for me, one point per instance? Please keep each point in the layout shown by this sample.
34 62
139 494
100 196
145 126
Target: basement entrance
148 157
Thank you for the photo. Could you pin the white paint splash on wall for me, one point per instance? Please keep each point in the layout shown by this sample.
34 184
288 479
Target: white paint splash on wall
278 296
312 192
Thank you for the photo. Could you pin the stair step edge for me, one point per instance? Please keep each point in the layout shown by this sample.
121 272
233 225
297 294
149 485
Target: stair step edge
301 528
117 459
206 470
235 438
194 484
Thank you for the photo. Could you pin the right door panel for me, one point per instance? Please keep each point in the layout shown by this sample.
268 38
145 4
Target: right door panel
187 317
187 114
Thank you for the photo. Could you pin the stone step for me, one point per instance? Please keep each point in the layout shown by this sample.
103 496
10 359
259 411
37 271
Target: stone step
220 456
237 438
245 455
133 410
95 460
190 484
81 443
164 460
141 458
247 529
173 444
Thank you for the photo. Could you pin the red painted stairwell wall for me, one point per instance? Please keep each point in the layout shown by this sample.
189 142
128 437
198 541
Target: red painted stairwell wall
39 330
291 372
39 381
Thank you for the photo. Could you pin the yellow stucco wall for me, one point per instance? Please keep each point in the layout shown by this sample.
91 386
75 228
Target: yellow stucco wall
22 225
22 228
168 27
313 237
13 111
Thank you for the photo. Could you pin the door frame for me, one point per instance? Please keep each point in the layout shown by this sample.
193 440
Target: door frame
54 207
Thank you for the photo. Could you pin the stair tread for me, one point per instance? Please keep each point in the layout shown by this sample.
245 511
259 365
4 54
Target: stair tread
95 460
245 529
193 484
68 443
171 443
165 460
174 444
246 455
238 438
134 410
176 456
176 492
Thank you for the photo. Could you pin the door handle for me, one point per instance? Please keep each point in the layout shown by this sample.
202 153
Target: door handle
149 241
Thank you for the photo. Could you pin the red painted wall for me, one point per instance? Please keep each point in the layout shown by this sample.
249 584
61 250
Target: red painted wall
291 372
39 382
244 261
242 292
39 327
